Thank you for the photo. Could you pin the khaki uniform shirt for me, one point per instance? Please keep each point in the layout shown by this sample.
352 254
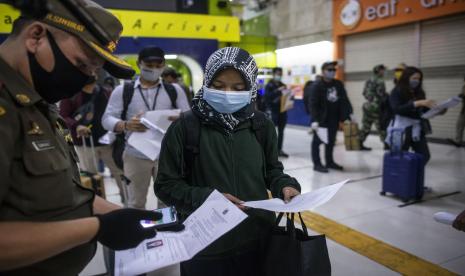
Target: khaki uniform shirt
39 178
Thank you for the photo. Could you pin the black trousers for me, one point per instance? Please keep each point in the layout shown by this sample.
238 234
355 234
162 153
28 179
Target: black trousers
247 263
332 132
280 121
420 146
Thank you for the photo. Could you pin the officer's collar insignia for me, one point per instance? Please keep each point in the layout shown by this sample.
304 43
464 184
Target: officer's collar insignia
68 139
2 111
35 129
64 132
23 99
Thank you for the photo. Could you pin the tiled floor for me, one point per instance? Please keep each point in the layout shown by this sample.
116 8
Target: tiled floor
359 206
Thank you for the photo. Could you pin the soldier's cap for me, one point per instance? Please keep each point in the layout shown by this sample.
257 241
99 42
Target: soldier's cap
151 53
61 17
328 63
400 67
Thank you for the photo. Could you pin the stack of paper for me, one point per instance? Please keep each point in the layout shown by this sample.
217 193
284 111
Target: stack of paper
445 217
149 142
214 218
300 203
322 133
449 103
287 100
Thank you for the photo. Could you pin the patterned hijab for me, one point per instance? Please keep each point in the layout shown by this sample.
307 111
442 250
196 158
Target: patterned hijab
243 62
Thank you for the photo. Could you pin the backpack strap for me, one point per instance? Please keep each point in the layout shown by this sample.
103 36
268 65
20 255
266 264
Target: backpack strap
258 126
128 92
172 93
191 128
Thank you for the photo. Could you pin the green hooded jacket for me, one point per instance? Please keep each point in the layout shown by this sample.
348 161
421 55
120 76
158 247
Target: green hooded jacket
233 163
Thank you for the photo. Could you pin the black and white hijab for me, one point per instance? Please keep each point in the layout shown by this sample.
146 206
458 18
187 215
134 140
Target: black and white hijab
224 58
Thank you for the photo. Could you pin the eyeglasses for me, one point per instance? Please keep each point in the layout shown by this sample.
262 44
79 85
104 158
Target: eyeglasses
331 69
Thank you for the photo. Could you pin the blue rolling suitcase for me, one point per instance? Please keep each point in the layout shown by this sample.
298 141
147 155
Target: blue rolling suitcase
403 172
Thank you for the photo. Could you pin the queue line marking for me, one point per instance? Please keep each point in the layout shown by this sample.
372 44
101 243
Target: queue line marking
387 255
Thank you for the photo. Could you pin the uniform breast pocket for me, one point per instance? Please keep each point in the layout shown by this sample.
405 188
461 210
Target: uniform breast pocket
44 158
47 184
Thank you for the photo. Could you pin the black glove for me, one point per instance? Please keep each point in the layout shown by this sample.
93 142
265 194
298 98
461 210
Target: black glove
121 229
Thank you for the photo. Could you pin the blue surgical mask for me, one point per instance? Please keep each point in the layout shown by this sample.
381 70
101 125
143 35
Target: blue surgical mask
329 74
414 83
277 78
226 102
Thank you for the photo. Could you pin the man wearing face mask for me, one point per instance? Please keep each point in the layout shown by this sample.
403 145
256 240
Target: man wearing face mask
147 93
329 105
273 92
375 94
49 223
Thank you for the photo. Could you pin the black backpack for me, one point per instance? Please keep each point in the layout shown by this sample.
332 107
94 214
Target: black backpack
191 128
119 144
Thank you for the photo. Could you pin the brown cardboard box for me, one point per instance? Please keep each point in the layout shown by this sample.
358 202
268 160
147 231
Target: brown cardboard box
351 138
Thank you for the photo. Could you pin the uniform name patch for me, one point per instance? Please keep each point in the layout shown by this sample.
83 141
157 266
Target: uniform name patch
43 145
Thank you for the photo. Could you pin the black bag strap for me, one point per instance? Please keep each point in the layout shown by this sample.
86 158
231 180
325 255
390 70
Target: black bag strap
304 227
290 226
172 93
191 128
128 93
258 126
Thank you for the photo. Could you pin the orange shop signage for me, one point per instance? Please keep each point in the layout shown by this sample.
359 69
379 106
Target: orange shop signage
353 16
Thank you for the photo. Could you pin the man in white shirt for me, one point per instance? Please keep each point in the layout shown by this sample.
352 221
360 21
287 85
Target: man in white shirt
149 93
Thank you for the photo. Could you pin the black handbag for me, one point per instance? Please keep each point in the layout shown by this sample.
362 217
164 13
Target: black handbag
118 147
292 252
119 144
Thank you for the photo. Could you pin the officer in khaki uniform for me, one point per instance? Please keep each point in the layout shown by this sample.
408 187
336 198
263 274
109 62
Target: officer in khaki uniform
49 223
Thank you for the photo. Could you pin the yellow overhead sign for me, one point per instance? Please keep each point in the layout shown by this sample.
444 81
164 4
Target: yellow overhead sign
158 24
179 25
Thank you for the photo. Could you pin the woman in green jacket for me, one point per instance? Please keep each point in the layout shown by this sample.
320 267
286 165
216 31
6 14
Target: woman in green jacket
235 152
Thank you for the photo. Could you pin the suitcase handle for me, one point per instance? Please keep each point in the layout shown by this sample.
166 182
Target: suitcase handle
398 135
92 150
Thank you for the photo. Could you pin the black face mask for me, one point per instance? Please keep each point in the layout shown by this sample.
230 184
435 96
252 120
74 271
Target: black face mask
64 81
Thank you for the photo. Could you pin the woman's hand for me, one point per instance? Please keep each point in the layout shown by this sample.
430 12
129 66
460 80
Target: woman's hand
235 200
425 103
289 193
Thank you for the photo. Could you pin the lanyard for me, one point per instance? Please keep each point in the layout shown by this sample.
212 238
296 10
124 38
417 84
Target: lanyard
154 100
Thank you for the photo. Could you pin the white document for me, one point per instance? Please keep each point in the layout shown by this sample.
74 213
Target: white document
149 142
322 133
158 119
287 100
108 138
299 203
445 217
449 103
214 218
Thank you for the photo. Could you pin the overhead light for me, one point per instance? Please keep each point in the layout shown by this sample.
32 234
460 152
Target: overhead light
171 56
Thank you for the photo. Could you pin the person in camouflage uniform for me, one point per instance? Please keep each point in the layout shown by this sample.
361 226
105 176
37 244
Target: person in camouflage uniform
375 93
